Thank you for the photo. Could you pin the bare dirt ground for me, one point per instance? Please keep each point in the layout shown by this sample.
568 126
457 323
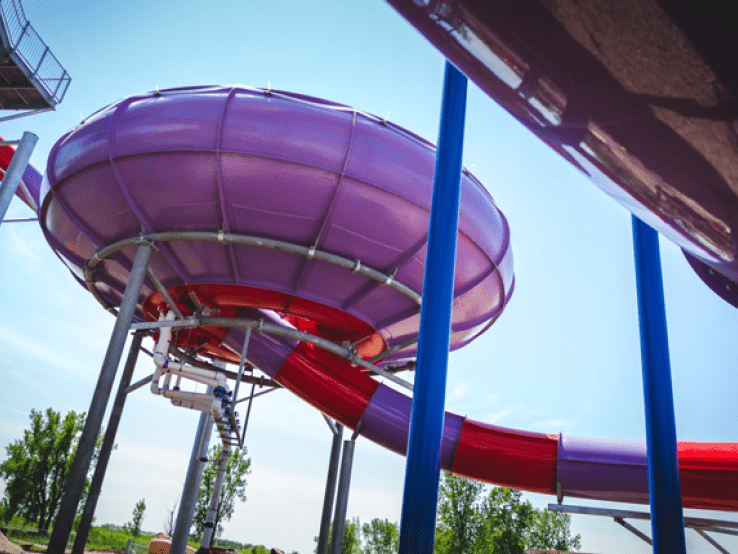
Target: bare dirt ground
8 547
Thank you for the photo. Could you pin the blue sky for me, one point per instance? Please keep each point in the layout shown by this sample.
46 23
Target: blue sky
564 357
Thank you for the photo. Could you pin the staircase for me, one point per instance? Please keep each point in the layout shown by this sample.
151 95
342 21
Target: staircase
31 78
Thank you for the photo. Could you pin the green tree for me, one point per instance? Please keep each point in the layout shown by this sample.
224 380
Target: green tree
134 527
458 520
37 466
553 530
351 538
499 523
380 537
234 487
507 522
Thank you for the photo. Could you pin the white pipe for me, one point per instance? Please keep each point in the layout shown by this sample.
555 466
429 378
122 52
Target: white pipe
162 345
160 352
214 380
201 397
192 406
203 402
163 363
155 380
167 380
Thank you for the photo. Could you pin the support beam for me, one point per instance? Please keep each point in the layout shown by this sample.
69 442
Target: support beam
344 484
712 541
636 532
83 530
91 430
330 488
242 363
667 517
212 515
248 412
712 525
16 168
192 484
417 527
140 383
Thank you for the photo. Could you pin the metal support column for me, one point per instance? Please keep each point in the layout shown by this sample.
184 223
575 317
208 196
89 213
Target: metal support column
14 174
212 515
330 490
417 527
107 446
667 518
344 484
91 430
192 484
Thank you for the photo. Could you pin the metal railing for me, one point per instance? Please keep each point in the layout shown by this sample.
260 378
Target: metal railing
31 53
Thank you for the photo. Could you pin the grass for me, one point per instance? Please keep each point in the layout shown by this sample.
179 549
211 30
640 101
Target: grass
100 538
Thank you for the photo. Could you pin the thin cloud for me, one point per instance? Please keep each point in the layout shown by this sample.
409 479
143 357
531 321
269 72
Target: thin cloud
552 425
9 409
497 416
39 351
24 249
459 390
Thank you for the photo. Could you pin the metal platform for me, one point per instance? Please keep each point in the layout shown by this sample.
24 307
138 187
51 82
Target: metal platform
31 78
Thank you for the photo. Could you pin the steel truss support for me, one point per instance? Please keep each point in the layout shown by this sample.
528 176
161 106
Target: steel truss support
417 527
88 439
107 446
700 525
636 532
712 541
665 494
271 328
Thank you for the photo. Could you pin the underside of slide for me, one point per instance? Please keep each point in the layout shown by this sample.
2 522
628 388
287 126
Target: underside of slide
639 95
311 216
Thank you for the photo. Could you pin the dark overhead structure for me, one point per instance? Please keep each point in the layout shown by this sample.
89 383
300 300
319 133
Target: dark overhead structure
640 95
31 78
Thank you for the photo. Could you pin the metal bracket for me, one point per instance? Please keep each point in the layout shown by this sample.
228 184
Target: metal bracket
331 423
355 434
633 530
145 241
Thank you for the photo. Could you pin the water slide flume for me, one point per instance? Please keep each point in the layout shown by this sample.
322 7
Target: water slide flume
28 190
217 176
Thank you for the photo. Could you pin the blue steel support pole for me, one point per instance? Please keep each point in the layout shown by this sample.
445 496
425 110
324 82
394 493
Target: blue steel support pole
667 518
418 523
